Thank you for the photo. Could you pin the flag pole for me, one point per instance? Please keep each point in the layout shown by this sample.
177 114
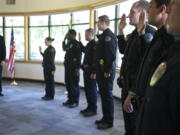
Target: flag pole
13 83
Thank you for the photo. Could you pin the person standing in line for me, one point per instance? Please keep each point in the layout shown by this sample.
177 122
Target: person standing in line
133 53
2 60
89 74
160 110
49 68
106 69
72 62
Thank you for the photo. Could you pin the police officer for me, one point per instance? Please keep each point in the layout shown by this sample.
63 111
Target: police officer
160 112
49 68
72 62
89 69
157 51
105 57
2 60
133 54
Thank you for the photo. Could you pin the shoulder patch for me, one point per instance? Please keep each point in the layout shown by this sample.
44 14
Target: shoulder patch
107 38
149 37
159 72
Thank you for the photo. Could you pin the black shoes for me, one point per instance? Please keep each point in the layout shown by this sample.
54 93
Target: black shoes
97 122
70 104
66 103
83 111
1 94
89 113
47 98
73 105
104 125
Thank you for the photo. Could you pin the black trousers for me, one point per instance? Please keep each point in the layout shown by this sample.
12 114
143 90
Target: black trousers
90 88
105 89
129 118
1 78
49 81
72 84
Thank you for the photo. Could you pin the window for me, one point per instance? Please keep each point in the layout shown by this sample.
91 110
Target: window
18 25
80 23
59 28
1 26
38 31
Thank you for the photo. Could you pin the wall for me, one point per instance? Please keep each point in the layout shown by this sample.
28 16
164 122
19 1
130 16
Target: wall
45 5
35 72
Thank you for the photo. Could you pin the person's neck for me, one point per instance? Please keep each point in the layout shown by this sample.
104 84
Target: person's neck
105 28
91 39
162 22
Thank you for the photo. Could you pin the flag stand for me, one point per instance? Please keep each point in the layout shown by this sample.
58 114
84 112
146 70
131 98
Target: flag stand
14 83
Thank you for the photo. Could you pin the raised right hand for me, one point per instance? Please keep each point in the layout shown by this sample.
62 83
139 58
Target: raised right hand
79 36
40 48
142 23
122 24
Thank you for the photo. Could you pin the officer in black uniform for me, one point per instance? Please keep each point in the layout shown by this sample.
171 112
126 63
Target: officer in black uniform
72 62
133 54
49 68
157 51
2 60
106 68
89 69
160 111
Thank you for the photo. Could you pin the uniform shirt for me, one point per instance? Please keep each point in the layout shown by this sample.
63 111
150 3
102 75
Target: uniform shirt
2 49
106 51
134 52
160 112
156 52
89 57
48 58
73 54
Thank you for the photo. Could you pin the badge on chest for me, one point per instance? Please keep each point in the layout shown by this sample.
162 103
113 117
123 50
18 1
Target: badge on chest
159 72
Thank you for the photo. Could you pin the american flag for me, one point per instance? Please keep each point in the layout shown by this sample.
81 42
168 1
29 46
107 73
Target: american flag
11 53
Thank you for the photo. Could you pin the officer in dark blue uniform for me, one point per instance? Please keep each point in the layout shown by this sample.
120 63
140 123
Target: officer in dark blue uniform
49 68
158 49
160 111
72 62
89 69
133 54
106 68
2 60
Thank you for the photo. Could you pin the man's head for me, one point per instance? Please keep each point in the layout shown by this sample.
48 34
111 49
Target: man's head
157 12
136 10
72 34
173 25
89 34
103 22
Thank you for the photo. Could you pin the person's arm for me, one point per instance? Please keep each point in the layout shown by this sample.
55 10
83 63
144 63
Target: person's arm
4 49
122 43
121 39
82 47
110 53
40 50
51 56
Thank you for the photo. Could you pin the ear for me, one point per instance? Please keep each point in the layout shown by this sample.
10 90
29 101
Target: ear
163 9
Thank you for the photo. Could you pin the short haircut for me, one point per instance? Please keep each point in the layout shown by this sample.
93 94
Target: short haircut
105 19
72 32
49 39
142 4
162 2
90 30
